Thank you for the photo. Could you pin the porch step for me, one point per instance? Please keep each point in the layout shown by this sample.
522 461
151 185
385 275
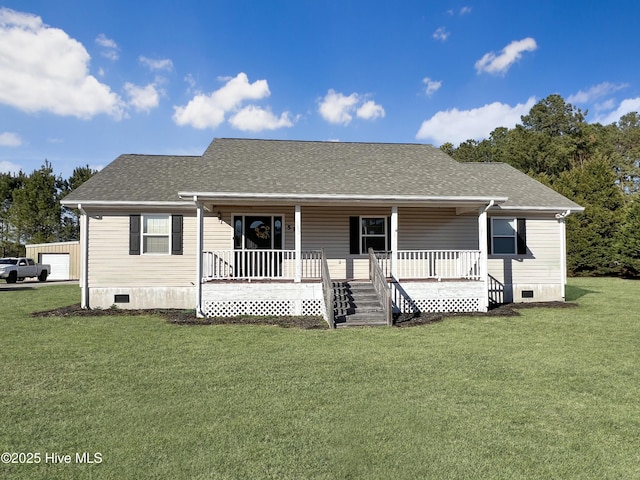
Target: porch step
356 305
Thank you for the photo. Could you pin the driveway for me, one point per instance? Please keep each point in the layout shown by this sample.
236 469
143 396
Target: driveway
30 284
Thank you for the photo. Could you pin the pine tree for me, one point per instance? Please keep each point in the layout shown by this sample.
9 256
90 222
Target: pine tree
592 235
628 239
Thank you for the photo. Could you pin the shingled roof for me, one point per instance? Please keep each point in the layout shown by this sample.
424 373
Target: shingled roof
303 168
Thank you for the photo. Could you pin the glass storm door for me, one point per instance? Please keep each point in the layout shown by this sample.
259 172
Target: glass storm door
255 237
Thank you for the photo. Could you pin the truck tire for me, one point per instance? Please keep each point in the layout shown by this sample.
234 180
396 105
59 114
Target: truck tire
13 277
43 276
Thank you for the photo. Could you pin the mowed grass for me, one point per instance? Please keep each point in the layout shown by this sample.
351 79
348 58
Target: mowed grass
553 393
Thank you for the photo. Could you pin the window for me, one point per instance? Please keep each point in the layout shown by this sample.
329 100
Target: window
374 234
507 236
368 232
156 234
257 232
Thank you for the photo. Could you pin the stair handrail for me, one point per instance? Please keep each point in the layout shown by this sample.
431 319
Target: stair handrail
379 282
329 293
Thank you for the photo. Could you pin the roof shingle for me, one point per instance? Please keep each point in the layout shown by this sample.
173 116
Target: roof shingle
237 166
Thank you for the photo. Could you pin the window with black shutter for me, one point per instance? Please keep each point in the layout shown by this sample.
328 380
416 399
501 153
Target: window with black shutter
507 236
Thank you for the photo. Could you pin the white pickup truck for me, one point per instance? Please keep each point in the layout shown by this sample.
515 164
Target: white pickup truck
14 269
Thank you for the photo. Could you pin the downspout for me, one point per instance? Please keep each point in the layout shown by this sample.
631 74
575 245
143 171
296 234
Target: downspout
563 249
199 247
84 258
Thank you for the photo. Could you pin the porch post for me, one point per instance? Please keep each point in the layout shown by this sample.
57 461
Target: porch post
199 247
394 241
483 246
298 243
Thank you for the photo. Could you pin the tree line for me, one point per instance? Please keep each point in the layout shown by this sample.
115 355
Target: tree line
31 212
597 166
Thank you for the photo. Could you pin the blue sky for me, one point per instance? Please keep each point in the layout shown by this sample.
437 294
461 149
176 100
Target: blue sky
84 81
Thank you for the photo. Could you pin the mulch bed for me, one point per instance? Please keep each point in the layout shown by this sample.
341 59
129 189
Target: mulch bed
188 317
508 310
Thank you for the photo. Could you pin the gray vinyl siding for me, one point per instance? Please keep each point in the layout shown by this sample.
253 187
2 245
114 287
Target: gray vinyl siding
540 268
110 264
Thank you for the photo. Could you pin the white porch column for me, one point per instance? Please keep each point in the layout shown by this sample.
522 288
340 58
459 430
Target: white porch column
298 243
199 248
394 241
483 246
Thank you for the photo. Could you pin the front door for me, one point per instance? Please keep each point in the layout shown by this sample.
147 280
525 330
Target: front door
257 240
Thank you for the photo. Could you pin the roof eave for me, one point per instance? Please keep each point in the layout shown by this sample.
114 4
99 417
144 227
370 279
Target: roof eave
234 197
556 209
124 204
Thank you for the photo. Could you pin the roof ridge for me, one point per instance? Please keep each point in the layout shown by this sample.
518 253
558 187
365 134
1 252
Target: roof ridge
324 141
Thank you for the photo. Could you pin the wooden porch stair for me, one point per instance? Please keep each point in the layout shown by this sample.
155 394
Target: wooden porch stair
357 305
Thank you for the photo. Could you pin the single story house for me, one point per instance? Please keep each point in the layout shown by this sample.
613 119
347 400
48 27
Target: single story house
268 226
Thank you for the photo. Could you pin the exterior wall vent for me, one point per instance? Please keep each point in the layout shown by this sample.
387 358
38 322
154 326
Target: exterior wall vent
527 293
122 298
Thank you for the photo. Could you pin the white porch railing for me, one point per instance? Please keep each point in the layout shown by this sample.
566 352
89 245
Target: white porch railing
438 264
259 264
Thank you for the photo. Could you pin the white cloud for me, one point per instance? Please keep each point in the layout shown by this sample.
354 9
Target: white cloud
441 34
339 109
370 110
465 10
432 86
596 91
8 167
43 69
254 119
456 126
210 110
142 99
157 65
499 64
10 139
110 47
626 106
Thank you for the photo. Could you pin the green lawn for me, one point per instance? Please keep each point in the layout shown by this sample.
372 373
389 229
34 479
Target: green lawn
553 393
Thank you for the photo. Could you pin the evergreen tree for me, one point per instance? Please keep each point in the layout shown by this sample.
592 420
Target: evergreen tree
35 210
592 235
628 239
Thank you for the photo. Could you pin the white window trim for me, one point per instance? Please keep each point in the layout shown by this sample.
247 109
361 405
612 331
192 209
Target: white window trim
515 237
254 214
385 234
145 235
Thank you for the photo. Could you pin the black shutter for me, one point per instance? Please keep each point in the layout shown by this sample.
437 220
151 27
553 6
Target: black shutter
134 234
388 233
489 249
354 235
522 236
176 235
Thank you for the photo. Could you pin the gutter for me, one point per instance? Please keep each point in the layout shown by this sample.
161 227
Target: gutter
305 197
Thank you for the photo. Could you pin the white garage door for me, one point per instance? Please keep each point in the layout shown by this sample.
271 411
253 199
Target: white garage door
59 265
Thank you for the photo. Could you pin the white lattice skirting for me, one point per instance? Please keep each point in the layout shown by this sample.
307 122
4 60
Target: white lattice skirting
227 300
213 308
412 297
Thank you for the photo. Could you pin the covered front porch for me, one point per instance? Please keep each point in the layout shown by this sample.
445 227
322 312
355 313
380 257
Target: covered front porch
274 252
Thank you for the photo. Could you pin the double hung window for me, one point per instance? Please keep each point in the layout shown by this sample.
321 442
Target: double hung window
507 236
